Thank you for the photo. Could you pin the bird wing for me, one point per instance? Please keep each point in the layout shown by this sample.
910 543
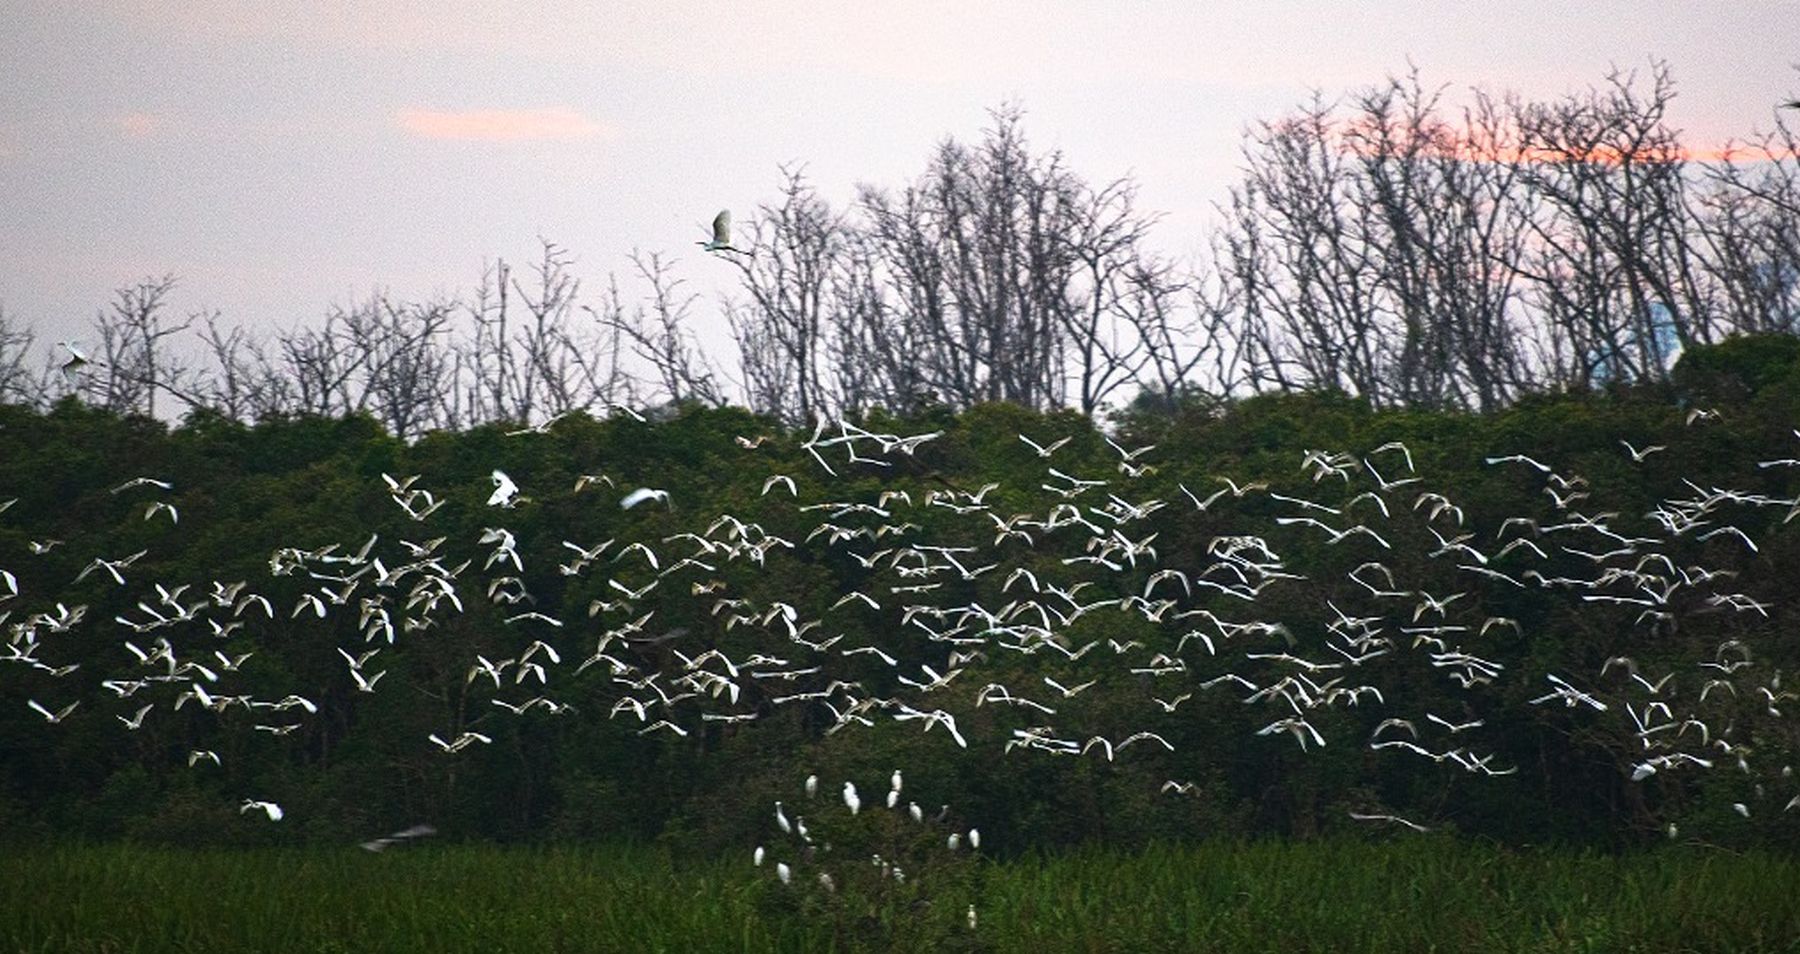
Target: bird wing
721 227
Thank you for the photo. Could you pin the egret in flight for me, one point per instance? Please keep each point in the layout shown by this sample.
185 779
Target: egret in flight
721 234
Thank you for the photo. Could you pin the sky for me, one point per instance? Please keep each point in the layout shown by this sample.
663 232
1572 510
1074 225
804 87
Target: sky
279 157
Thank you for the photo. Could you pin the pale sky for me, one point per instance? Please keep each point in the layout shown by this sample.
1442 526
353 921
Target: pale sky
282 156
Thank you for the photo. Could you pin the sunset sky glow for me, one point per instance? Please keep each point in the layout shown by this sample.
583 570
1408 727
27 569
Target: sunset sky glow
280 156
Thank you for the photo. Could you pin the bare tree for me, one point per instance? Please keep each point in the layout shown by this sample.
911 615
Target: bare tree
657 330
134 362
1613 269
18 385
1749 226
780 329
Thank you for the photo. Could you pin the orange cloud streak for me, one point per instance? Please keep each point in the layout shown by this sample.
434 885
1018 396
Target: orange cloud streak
137 125
1362 139
498 125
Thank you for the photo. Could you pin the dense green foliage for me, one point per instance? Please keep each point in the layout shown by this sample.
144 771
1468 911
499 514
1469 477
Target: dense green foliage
362 764
1334 895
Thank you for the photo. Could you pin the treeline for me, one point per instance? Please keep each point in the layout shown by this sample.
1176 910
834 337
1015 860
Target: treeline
1383 244
284 505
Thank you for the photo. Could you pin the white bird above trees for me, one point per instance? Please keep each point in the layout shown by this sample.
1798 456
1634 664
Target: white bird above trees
77 359
721 234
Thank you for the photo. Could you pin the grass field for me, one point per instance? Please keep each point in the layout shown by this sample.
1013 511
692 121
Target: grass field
1339 896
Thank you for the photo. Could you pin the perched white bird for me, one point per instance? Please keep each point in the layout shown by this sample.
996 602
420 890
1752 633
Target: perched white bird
781 820
812 786
756 857
783 872
851 801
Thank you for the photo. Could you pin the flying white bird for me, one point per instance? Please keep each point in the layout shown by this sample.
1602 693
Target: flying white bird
77 359
268 808
1045 450
642 494
53 717
505 491
721 234
381 844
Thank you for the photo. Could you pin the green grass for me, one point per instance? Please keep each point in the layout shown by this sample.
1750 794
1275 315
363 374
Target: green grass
1338 896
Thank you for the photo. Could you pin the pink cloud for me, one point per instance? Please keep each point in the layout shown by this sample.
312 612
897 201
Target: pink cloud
137 125
499 125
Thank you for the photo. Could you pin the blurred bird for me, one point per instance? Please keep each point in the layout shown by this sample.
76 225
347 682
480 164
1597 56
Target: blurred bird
399 837
642 494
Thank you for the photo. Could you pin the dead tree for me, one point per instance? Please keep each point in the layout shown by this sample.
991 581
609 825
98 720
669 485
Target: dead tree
1748 224
1306 280
18 384
787 281
1613 271
134 362
657 330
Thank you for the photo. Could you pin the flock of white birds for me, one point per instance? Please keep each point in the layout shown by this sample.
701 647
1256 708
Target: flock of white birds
1068 573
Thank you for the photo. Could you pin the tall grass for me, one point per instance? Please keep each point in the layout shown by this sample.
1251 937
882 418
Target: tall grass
1340 896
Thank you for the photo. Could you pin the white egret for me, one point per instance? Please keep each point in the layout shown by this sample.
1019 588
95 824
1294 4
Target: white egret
77 359
505 493
1396 819
381 844
781 820
756 857
783 872
642 494
53 717
812 786
851 801
721 234
954 841
974 838
268 808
